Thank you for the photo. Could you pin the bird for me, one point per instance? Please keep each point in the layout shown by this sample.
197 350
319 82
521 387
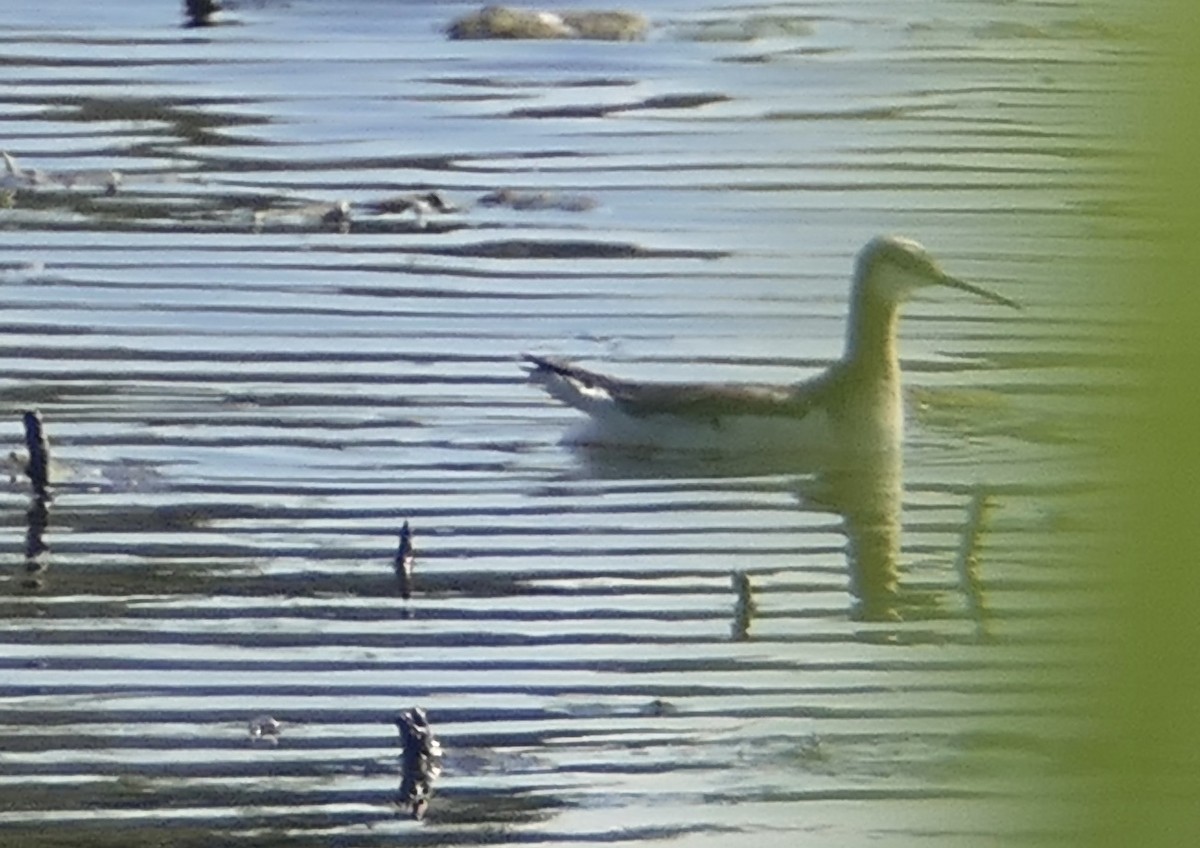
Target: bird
851 410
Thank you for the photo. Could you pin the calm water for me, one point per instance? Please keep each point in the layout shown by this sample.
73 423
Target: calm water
245 402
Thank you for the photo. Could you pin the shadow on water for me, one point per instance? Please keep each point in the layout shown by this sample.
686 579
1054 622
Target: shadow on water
459 818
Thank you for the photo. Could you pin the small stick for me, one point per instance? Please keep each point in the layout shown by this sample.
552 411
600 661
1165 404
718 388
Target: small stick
420 762
404 562
38 466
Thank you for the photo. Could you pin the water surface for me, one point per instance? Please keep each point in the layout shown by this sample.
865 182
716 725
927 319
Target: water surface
245 403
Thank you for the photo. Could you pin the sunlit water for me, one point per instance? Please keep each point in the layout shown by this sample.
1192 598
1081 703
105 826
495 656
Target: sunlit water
245 402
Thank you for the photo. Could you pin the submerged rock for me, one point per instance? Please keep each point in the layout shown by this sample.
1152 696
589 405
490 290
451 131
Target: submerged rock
508 22
537 200
746 28
607 26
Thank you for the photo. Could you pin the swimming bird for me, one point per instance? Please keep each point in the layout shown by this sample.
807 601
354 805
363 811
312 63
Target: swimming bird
852 409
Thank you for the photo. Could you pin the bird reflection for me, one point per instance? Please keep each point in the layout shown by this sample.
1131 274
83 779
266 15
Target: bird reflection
37 468
868 499
864 492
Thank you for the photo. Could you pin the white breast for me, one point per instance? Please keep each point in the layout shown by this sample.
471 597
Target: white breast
726 434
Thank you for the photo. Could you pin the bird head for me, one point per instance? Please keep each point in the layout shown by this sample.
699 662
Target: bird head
891 268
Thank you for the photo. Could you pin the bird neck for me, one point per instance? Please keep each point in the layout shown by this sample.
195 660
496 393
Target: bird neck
871 338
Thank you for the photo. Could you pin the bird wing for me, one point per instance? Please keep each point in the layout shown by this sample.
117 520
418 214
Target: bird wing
690 400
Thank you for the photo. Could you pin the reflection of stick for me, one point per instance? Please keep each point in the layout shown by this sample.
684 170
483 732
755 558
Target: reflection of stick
38 466
404 562
38 516
745 607
968 558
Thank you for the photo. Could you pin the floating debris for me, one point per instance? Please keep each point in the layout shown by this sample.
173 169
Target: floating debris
420 763
264 731
404 562
747 28
524 201
659 708
418 204
812 749
329 216
508 22
17 177
967 563
14 463
337 217
200 13
745 607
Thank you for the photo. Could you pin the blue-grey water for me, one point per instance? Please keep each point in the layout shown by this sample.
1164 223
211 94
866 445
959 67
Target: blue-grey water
245 401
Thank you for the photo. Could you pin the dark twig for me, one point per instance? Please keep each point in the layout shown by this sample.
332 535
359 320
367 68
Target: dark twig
745 607
38 466
420 763
404 562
